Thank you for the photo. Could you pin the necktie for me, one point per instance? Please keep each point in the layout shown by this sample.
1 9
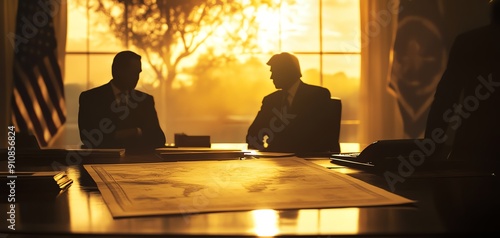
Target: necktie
285 101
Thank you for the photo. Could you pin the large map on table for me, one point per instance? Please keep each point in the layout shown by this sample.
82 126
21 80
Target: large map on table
143 189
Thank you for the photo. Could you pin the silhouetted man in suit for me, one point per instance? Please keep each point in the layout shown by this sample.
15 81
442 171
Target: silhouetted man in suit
467 100
115 115
295 118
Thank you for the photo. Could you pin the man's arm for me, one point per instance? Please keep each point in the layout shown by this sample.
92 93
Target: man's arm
150 130
88 123
447 91
259 127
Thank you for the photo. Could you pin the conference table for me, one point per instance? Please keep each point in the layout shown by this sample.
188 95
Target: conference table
457 201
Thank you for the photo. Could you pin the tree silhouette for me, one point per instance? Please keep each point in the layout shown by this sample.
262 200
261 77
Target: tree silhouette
168 31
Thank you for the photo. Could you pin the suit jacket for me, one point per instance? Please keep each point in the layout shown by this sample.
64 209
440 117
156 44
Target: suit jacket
467 99
302 127
100 116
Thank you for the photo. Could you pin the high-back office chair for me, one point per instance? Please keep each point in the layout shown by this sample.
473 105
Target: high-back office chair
336 116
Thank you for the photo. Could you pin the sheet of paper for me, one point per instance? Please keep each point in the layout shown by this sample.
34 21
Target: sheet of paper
143 189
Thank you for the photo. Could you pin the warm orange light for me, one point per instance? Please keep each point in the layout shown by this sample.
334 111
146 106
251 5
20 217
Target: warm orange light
229 96
265 222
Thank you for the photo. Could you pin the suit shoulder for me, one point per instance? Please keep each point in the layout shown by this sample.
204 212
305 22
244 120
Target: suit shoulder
477 35
96 90
317 90
272 98
478 31
272 95
140 94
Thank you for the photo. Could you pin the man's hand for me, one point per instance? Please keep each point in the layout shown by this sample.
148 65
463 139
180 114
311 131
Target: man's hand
128 133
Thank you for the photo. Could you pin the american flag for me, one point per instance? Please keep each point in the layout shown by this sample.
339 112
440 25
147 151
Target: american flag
38 104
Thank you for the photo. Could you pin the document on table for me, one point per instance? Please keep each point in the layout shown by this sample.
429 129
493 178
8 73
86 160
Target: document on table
145 189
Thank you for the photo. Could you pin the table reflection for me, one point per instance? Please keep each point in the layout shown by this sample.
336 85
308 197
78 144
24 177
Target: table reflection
265 222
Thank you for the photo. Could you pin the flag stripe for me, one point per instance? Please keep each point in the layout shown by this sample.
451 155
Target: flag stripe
33 114
23 103
42 88
48 97
17 114
27 118
32 97
56 93
56 72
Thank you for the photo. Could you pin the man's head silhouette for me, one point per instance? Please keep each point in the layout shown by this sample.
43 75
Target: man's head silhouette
126 69
285 70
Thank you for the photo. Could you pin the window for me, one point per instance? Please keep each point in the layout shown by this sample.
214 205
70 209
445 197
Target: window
221 99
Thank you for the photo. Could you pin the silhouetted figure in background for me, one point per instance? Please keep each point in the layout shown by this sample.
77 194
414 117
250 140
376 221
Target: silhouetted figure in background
115 115
467 100
295 118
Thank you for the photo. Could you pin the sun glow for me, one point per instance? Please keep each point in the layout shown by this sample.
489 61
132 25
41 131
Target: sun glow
268 33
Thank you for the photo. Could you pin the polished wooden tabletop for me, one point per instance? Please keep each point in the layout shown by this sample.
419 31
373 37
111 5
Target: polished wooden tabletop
447 203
